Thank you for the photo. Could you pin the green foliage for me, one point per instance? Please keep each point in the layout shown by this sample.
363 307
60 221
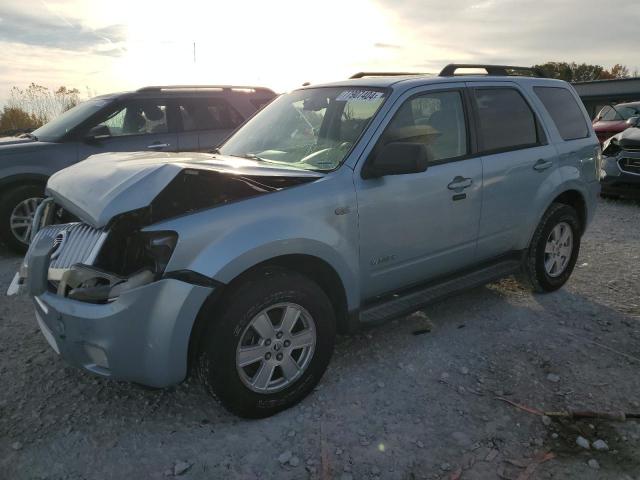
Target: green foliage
583 72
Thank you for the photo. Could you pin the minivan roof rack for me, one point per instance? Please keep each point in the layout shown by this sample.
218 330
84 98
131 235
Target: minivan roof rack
383 74
497 70
239 88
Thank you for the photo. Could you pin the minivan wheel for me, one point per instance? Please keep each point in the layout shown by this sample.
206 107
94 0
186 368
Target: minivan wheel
17 208
267 343
554 248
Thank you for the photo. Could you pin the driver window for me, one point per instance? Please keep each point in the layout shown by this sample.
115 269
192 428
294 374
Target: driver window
136 118
435 119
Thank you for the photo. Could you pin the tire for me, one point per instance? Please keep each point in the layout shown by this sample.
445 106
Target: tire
541 278
8 203
232 326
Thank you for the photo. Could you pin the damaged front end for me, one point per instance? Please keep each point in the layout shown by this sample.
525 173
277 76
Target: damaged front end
95 263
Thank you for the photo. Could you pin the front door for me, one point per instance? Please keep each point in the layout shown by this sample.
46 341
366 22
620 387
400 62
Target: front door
134 125
416 227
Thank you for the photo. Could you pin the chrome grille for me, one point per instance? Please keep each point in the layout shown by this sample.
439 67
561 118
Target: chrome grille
73 243
630 165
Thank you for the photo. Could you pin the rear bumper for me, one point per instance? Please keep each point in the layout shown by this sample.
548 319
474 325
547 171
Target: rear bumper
142 336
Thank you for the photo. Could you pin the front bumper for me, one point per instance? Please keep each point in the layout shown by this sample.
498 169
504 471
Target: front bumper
616 181
142 336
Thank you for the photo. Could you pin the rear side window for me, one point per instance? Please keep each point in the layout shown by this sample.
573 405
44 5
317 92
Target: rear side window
208 114
564 111
506 121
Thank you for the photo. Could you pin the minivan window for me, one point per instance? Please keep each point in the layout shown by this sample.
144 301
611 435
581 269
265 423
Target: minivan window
565 112
506 121
312 128
137 117
435 119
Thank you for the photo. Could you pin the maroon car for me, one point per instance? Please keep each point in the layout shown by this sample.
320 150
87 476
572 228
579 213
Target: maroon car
613 119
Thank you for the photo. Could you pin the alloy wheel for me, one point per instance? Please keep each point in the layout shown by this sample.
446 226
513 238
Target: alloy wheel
276 347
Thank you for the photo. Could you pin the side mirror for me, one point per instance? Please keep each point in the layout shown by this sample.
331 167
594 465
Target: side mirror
99 132
397 158
633 121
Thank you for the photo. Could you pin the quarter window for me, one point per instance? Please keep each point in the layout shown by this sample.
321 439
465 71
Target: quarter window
564 111
506 121
434 119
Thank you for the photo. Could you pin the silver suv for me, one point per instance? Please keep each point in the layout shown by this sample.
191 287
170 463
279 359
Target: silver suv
159 119
336 206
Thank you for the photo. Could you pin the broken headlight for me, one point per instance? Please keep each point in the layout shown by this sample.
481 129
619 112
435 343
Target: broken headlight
143 259
158 248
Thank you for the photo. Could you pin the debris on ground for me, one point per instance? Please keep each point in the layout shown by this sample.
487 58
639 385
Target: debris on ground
583 442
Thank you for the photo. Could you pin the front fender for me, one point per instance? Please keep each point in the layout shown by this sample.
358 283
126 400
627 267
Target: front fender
318 219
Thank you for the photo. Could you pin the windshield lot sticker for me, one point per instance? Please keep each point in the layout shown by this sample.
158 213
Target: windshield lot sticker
361 95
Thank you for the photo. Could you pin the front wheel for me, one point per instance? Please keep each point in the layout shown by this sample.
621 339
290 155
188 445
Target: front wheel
554 248
268 343
17 208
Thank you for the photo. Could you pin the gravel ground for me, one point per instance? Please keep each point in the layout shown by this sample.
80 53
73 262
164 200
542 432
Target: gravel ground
414 398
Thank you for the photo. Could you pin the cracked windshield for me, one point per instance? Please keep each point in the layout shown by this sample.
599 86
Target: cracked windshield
313 129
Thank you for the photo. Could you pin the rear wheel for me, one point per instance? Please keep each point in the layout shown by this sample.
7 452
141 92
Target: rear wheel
554 248
17 208
267 344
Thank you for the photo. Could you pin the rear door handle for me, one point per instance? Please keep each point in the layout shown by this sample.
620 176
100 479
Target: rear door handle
541 165
460 183
155 146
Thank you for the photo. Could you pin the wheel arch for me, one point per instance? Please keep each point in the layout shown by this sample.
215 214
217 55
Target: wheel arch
22 179
313 267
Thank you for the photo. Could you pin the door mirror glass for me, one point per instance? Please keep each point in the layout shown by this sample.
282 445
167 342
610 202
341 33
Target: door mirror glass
398 158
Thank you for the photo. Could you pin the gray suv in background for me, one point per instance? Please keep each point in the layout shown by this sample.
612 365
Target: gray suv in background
158 119
335 206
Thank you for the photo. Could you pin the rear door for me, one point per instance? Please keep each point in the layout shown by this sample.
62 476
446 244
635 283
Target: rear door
216 119
516 160
132 125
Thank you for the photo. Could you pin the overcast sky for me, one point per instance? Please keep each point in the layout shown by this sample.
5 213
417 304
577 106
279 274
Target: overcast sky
122 44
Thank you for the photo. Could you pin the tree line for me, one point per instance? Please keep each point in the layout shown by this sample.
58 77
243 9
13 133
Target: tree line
30 108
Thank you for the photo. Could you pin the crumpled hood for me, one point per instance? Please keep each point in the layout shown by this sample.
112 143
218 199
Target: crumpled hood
108 184
627 140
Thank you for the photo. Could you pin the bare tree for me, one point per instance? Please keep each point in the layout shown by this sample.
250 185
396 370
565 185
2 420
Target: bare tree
42 104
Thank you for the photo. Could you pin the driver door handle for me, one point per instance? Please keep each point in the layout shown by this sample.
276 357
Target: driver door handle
541 165
155 146
460 183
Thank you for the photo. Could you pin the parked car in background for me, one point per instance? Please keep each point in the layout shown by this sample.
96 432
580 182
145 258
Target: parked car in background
620 170
158 119
613 119
336 206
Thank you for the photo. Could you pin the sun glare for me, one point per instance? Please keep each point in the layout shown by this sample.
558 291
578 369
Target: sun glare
276 44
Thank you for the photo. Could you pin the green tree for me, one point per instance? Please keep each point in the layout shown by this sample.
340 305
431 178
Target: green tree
582 72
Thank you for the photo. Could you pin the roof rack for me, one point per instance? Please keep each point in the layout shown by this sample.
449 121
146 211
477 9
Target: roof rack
382 74
159 88
497 70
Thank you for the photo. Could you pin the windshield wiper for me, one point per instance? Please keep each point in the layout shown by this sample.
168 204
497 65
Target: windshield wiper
253 156
29 135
